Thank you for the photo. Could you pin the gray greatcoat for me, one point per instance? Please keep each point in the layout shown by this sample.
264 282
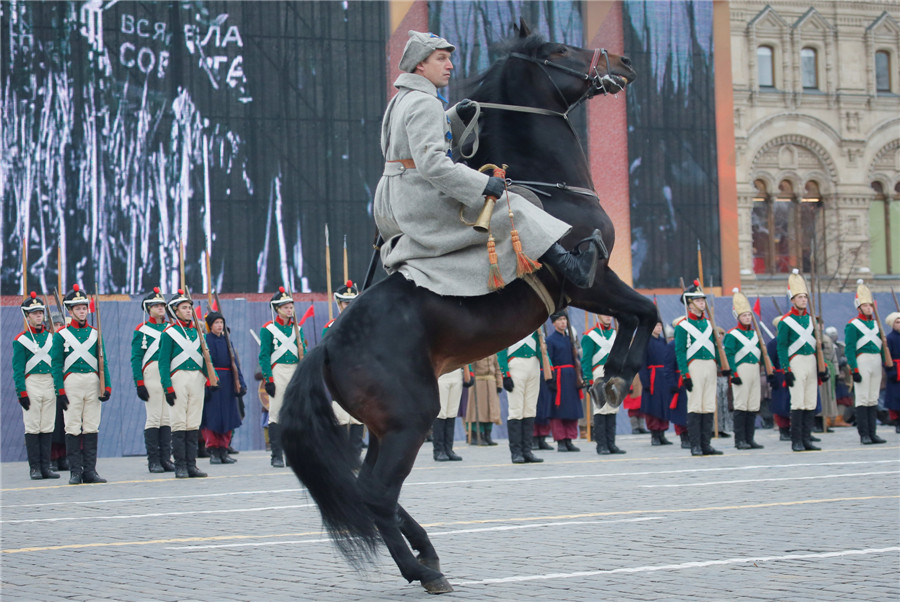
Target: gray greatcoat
417 210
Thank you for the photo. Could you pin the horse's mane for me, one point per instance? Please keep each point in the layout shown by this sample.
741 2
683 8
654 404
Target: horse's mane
487 84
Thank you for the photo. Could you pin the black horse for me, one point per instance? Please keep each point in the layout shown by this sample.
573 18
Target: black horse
382 357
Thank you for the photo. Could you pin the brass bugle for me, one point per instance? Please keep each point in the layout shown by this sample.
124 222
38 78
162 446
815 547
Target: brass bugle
483 223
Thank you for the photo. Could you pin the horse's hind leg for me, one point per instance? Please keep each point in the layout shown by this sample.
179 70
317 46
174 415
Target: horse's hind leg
418 539
381 485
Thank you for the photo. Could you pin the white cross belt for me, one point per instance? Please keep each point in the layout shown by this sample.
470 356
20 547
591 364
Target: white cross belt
287 343
804 335
866 335
79 350
702 339
39 353
190 349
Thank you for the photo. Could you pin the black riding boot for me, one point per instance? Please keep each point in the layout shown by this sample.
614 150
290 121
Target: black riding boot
797 431
438 433
178 452
809 417
578 266
76 459
750 430
449 432
873 421
275 443
685 440
45 445
527 428
165 448
356 438
151 442
90 459
514 428
654 438
740 435
694 424
706 432
191 446
662 438
214 456
784 433
33 449
542 443
611 435
600 434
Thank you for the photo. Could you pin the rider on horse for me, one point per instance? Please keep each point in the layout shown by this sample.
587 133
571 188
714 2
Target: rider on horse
423 195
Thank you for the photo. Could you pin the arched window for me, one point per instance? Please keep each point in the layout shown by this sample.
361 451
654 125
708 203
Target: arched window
809 74
882 71
787 229
883 254
811 243
765 59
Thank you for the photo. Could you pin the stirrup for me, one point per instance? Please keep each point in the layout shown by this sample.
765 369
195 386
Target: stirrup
596 237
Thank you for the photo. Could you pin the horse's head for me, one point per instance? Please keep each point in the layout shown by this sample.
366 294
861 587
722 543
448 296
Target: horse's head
576 73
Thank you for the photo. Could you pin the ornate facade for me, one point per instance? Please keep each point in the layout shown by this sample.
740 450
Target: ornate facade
817 136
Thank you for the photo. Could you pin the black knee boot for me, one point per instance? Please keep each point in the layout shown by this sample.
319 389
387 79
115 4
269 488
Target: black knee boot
578 266
514 428
45 444
706 431
740 433
165 448
275 443
694 424
33 450
600 434
151 442
809 417
797 431
527 430
437 440
750 430
449 432
178 452
685 440
873 421
90 459
75 458
611 434
191 447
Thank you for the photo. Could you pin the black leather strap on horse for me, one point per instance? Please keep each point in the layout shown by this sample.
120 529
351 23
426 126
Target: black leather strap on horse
558 186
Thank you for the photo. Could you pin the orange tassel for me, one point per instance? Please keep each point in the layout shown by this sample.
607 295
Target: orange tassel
524 263
495 278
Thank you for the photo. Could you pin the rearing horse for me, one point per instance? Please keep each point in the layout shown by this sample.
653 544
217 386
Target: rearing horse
381 358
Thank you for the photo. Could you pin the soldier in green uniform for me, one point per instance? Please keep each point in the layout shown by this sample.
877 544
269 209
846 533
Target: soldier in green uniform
278 358
343 296
743 353
520 365
182 372
862 346
797 356
34 387
145 371
75 363
698 357
596 344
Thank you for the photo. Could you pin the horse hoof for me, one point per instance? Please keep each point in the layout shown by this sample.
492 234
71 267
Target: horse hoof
438 586
598 395
611 390
431 563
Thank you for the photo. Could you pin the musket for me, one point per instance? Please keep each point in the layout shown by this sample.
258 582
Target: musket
209 290
48 317
885 352
778 309
545 359
894 295
101 373
232 354
327 277
294 321
820 355
346 264
59 306
719 348
767 361
204 350
25 275
683 298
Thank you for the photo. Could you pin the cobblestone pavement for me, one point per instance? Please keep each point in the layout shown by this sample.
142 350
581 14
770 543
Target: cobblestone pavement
652 524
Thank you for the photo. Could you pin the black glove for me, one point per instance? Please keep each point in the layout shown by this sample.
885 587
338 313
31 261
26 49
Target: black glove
688 383
857 377
213 388
508 383
823 376
242 391
551 384
170 398
499 389
62 400
25 402
465 109
674 390
270 389
736 380
770 378
241 408
470 382
143 393
495 188
105 395
789 379
726 373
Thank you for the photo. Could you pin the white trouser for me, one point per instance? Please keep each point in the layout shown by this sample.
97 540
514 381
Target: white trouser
343 418
450 389
747 394
83 392
806 382
156 407
867 390
598 373
281 375
40 417
526 377
190 388
702 398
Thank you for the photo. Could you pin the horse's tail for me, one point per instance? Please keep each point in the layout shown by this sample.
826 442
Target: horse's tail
322 460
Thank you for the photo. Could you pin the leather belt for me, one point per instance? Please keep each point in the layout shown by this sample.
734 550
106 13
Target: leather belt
407 163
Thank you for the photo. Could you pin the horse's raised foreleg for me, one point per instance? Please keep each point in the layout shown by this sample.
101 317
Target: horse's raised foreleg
381 485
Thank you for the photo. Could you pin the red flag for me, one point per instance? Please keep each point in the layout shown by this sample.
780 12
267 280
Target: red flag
215 306
309 312
756 309
91 305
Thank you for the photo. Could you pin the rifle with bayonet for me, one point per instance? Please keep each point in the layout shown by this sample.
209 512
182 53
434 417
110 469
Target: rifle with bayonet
232 353
101 373
885 352
211 375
